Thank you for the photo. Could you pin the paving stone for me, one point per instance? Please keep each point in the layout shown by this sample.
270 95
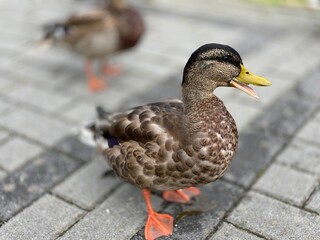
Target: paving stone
317 117
3 135
4 105
35 126
88 185
311 87
310 132
170 89
301 155
256 149
81 112
314 202
47 100
242 114
287 114
41 220
230 232
2 176
73 146
118 217
4 82
287 184
16 152
197 221
22 187
274 219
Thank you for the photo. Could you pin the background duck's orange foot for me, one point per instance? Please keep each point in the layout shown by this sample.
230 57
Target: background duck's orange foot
181 195
113 70
158 225
95 84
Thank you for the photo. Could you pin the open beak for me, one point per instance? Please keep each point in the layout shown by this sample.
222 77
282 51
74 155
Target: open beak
245 77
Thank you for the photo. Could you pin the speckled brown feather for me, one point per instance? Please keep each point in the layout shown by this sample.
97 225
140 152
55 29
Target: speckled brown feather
163 149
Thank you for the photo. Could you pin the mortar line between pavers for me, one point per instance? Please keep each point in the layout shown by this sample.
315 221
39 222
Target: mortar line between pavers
279 199
85 212
247 230
308 198
301 170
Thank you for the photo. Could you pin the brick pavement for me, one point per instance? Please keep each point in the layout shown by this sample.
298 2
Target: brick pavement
53 187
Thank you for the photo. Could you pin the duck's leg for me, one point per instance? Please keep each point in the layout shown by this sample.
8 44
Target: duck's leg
94 83
107 69
181 195
157 224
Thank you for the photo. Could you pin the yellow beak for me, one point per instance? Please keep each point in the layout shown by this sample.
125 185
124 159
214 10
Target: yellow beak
245 77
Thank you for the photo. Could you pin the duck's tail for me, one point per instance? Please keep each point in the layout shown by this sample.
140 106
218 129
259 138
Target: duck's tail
53 33
95 133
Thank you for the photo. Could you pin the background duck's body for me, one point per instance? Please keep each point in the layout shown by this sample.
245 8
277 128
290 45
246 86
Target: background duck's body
97 34
176 145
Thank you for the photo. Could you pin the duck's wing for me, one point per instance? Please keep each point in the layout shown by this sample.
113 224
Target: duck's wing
80 25
152 122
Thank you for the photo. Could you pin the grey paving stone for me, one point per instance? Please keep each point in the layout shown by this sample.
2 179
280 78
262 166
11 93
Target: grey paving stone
41 220
4 105
197 221
35 126
2 175
287 184
242 113
317 117
301 155
274 219
73 146
230 232
311 87
88 185
47 100
310 132
81 112
3 135
16 152
287 114
314 202
256 149
118 217
22 187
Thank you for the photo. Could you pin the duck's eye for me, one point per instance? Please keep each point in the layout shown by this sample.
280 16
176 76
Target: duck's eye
226 58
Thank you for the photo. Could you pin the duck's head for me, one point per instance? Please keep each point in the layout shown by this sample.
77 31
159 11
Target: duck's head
215 65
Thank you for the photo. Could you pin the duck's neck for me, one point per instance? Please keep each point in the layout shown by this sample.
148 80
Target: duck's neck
197 98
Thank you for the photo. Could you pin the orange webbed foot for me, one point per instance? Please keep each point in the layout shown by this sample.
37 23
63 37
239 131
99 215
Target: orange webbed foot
181 195
158 225
95 84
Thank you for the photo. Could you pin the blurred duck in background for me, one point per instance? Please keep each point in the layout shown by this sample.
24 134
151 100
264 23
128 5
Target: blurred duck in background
97 34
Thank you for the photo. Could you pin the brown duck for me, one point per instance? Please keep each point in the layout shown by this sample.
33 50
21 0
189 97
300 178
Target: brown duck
96 34
176 145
